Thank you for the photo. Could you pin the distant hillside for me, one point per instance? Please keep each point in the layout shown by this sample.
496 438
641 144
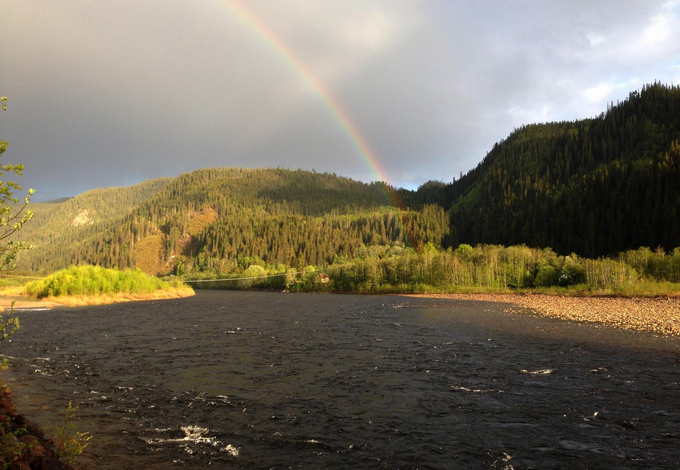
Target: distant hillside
219 220
62 224
594 187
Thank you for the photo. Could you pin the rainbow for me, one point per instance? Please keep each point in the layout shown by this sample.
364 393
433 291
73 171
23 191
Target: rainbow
340 115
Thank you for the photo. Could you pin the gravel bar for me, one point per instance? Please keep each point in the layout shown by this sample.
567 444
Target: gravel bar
657 315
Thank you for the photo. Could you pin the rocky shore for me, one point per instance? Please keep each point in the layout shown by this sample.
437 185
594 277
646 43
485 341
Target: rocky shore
23 445
657 315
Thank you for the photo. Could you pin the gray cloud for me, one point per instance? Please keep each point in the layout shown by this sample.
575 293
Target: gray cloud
110 93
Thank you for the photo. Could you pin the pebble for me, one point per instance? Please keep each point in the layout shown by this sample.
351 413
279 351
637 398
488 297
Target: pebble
656 315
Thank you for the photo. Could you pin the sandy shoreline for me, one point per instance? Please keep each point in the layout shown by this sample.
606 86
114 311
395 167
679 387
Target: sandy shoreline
24 303
657 315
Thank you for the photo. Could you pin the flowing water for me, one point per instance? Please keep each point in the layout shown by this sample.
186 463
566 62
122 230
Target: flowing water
270 380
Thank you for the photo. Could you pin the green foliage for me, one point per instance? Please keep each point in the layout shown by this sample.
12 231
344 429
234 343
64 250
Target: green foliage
12 219
69 441
11 447
572 272
94 280
296 240
292 218
250 276
483 268
464 250
546 276
9 324
657 264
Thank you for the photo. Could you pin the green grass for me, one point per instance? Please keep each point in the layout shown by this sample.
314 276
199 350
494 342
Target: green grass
93 280
649 289
11 281
641 288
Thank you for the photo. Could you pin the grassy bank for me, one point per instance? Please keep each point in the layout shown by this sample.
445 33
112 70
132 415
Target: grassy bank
87 285
640 289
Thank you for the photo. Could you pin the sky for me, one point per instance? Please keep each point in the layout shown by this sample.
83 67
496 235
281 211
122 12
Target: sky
113 92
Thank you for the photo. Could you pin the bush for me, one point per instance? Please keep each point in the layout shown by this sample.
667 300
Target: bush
69 441
546 276
571 273
93 280
250 276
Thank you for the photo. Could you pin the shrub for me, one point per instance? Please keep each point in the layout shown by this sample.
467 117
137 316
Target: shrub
69 441
546 276
94 280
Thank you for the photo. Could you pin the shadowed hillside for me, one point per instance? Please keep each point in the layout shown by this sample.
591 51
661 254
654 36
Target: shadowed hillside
594 187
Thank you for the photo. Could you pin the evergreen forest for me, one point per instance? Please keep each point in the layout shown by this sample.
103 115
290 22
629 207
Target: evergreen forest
595 187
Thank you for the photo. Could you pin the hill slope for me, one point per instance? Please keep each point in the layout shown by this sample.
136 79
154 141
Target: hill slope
594 187
223 220
63 224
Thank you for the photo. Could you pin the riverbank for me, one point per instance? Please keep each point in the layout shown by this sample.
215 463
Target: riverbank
23 444
656 315
25 302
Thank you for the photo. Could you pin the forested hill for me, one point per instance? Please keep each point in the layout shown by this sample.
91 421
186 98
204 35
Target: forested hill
89 213
60 226
594 187
223 220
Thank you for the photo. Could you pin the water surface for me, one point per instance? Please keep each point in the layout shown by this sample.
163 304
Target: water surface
268 380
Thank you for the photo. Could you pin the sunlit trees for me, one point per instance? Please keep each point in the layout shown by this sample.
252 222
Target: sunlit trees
13 216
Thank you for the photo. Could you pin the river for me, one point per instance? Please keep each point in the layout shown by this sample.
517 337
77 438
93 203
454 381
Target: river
261 380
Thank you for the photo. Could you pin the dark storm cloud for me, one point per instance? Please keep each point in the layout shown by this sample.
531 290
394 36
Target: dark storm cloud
110 93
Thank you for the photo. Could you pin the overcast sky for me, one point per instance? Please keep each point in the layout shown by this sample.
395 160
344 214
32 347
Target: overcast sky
113 92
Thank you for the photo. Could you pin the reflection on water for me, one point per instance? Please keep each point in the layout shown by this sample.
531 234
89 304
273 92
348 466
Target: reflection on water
267 380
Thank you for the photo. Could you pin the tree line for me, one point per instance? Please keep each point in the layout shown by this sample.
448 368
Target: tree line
464 269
